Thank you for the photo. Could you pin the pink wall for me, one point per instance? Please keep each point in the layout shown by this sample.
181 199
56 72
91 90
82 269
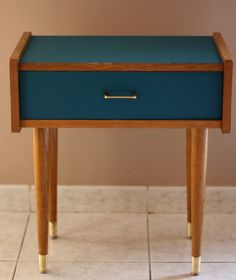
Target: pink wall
116 156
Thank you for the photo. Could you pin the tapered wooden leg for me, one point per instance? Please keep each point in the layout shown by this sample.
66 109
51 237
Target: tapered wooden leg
52 181
41 186
199 139
188 169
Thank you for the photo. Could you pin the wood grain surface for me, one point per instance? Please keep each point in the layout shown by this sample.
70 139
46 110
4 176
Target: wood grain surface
14 83
199 142
121 123
227 86
190 67
40 145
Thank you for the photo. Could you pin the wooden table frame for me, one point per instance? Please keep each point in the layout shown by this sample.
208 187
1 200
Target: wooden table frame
45 139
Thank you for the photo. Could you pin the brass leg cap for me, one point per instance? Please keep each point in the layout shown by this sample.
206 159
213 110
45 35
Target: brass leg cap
43 263
196 262
52 228
189 230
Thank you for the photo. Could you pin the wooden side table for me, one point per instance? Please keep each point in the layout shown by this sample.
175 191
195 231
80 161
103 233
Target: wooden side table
120 82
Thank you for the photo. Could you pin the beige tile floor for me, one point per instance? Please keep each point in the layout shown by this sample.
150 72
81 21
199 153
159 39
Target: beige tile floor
116 246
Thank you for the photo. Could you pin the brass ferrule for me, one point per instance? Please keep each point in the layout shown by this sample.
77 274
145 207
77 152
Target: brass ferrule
196 262
52 228
43 263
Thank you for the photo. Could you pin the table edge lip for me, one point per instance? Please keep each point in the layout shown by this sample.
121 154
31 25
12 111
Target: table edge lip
106 66
121 123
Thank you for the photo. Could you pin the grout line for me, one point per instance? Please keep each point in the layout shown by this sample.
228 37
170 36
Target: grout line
84 262
148 205
96 212
147 202
7 261
119 262
148 243
190 262
30 206
148 235
21 246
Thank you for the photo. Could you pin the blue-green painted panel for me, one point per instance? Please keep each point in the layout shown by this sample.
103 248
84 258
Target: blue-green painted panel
127 49
79 95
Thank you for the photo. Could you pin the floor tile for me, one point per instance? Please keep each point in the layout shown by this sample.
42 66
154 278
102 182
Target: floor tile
12 226
14 198
167 199
219 238
84 271
100 199
220 200
93 237
173 199
168 240
6 270
181 271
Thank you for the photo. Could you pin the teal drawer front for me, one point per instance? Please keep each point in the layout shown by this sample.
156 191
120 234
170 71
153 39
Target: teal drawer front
80 95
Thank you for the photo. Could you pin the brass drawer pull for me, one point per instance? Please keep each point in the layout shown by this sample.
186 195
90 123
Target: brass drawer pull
108 96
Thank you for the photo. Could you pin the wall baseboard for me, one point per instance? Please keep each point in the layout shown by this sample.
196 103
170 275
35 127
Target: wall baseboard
118 199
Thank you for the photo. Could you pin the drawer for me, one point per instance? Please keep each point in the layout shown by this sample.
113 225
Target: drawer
76 95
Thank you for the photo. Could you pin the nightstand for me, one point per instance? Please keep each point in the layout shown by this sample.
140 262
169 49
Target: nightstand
120 82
